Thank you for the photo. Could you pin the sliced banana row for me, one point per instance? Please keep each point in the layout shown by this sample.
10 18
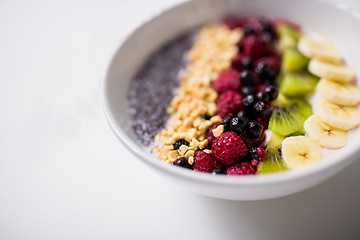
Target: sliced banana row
336 111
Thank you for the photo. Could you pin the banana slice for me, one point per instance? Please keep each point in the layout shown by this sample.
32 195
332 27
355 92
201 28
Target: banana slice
320 48
340 117
344 94
300 151
325 135
331 71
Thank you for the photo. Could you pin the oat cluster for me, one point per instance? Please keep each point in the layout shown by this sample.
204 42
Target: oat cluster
212 53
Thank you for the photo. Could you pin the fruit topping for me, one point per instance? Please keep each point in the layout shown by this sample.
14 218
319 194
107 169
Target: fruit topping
203 162
229 102
298 84
244 168
182 162
227 81
228 148
300 152
180 142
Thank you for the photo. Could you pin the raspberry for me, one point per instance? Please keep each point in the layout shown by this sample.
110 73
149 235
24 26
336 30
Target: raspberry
203 162
226 81
253 23
229 102
273 61
261 153
209 134
233 22
254 47
228 148
244 168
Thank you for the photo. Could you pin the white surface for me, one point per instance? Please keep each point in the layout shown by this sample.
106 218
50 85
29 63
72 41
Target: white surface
64 175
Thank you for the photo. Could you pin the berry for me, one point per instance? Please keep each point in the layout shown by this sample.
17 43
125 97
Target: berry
260 88
261 153
253 23
226 122
265 71
228 148
182 162
238 124
249 101
267 27
262 109
247 78
273 61
233 22
217 171
254 162
242 114
244 168
253 47
203 162
206 117
229 102
218 165
209 134
227 81
247 90
254 129
266 37
252 153
262 96
263 121
180 142
247 63
249 31
250 142
272 91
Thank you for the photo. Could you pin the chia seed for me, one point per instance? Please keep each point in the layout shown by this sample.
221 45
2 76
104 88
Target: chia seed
153 88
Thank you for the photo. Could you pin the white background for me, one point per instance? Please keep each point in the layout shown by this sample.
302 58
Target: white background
63 174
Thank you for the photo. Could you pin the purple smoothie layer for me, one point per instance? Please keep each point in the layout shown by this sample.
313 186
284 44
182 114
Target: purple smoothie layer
152 89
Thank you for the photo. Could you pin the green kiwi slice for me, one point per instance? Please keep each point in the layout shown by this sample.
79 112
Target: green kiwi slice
288 36
273 161
293 60
298 84
289 115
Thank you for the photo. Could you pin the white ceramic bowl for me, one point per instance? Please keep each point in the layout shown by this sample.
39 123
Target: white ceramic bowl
336 21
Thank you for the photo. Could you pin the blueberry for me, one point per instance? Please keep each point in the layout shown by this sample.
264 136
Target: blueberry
247 90
182 162
238 124
265 71
242 114
247 78
252 153
248 101
180 142
217 171
262 109
272 91
266 37
226 122
205 116
267 26
262 96
254 129
247 63
249 31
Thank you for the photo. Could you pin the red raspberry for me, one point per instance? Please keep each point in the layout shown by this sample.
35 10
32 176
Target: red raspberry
263 122
209 134
228 148
233 22
273 61
218 165
227 80
254 47
229 102
203 162
253 23
244 168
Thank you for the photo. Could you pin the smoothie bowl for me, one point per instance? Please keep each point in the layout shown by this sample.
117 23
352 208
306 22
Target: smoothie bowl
239 100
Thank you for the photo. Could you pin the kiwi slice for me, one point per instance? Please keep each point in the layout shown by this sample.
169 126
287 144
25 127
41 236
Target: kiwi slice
293 60
289 115
273 161
298 84
288 36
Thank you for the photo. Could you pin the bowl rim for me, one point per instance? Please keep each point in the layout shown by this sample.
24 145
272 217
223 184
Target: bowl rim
150 160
